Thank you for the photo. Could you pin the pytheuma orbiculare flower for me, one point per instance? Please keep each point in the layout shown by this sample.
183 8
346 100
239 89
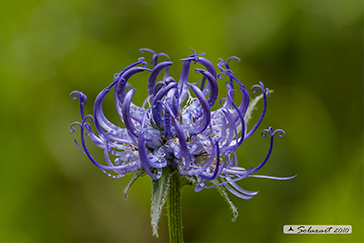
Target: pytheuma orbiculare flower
176 127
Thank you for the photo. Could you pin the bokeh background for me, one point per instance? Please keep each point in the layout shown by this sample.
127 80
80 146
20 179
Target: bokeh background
310 52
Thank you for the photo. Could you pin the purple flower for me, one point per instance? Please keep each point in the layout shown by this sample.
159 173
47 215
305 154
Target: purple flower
176 126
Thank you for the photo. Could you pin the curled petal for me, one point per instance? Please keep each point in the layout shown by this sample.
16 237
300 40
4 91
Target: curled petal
232 131
256 87
133 133
140 61
208 65
265 94
239 189
142 50
153 75
100 119
264 134
71 128
205 121
245 100
203 168
226 64
185 71
273 177
230 58
119 89
213 85
146 162
230 84
157 87
79 95
193 56
240 175
183 80
242 123
161 93
205 62
154 60
83 99
237 193
87 152
181 138
281 133
217 171
172 102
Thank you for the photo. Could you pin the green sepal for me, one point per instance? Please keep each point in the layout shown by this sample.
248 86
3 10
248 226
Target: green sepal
252 105
251 108
184 180
138 174
160 191
223 193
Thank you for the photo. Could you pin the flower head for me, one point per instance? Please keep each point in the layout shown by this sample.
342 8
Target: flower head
176 126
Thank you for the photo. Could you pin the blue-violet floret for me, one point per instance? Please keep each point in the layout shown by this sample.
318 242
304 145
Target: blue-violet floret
176 126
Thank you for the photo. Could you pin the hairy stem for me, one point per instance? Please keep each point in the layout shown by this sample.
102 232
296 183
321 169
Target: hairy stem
174 209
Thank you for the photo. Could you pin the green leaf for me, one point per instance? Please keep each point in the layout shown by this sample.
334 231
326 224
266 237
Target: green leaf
131 182
233 208
186 180
251 108
160 190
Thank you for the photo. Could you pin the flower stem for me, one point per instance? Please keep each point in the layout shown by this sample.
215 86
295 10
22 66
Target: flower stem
175 210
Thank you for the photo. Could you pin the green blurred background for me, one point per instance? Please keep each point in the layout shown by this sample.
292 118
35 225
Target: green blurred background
310 52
